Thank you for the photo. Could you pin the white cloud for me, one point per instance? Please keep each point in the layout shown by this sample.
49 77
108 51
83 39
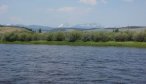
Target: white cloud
3 9
90 2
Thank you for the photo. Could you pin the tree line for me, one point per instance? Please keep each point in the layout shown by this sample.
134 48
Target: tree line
73 36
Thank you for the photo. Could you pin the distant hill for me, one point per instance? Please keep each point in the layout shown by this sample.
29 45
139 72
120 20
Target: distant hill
81 26
78 27
98 29
7 29
30 27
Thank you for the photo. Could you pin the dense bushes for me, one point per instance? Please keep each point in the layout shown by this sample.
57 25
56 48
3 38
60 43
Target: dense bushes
49 37
75 36
59 36
86 36
9 37
100 36
121 36
140 36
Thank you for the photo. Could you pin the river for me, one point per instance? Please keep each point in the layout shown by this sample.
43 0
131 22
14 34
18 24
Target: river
45 64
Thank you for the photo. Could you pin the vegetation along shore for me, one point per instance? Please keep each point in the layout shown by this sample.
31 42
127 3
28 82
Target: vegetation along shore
84 38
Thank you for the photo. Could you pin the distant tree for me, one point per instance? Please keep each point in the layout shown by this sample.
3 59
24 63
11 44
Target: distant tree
40 30
1 25
116 30
30 29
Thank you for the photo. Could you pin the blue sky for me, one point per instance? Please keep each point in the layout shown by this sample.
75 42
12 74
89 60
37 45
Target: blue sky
55 12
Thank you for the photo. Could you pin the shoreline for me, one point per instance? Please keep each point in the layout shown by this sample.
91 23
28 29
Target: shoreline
81 43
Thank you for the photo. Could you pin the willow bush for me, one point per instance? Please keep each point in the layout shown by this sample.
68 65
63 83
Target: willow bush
121 36
100 36
140 36
86 36
9 37
73 36
59 36
49 36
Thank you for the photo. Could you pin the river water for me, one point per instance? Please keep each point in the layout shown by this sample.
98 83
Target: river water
45 64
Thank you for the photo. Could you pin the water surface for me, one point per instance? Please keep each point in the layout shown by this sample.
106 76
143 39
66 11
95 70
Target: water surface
44 64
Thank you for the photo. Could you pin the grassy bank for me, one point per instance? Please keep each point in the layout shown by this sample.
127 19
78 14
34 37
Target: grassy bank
81 43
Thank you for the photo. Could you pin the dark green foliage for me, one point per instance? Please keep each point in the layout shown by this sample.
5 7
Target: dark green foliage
73 36
116 30
59 36
100 36
129 35
24 37
86 36
96 37
49 37
9 37
140 36
121 36
40 30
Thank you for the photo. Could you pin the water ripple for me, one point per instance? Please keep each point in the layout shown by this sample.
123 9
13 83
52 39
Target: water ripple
41 64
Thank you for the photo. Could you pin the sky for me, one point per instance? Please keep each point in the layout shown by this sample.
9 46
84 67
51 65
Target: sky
108 13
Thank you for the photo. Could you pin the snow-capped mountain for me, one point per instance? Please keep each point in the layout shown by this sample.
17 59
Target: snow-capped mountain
38 27
84 26
87 26
66 25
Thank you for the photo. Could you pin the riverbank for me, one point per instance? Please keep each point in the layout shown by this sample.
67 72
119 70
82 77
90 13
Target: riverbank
81 43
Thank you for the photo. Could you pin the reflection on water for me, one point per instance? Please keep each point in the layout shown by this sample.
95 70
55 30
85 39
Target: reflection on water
43 64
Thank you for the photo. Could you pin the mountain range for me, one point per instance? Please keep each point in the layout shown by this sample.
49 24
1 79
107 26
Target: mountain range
80 27
84 26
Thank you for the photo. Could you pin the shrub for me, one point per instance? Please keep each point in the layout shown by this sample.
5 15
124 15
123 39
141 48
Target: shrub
140 36
24 37
116 30
129 35
59 36
35 36
121 36
86 36
73 36
9 37
49 36
100 36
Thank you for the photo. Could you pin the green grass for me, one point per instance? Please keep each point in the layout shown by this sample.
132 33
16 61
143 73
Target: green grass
81 43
